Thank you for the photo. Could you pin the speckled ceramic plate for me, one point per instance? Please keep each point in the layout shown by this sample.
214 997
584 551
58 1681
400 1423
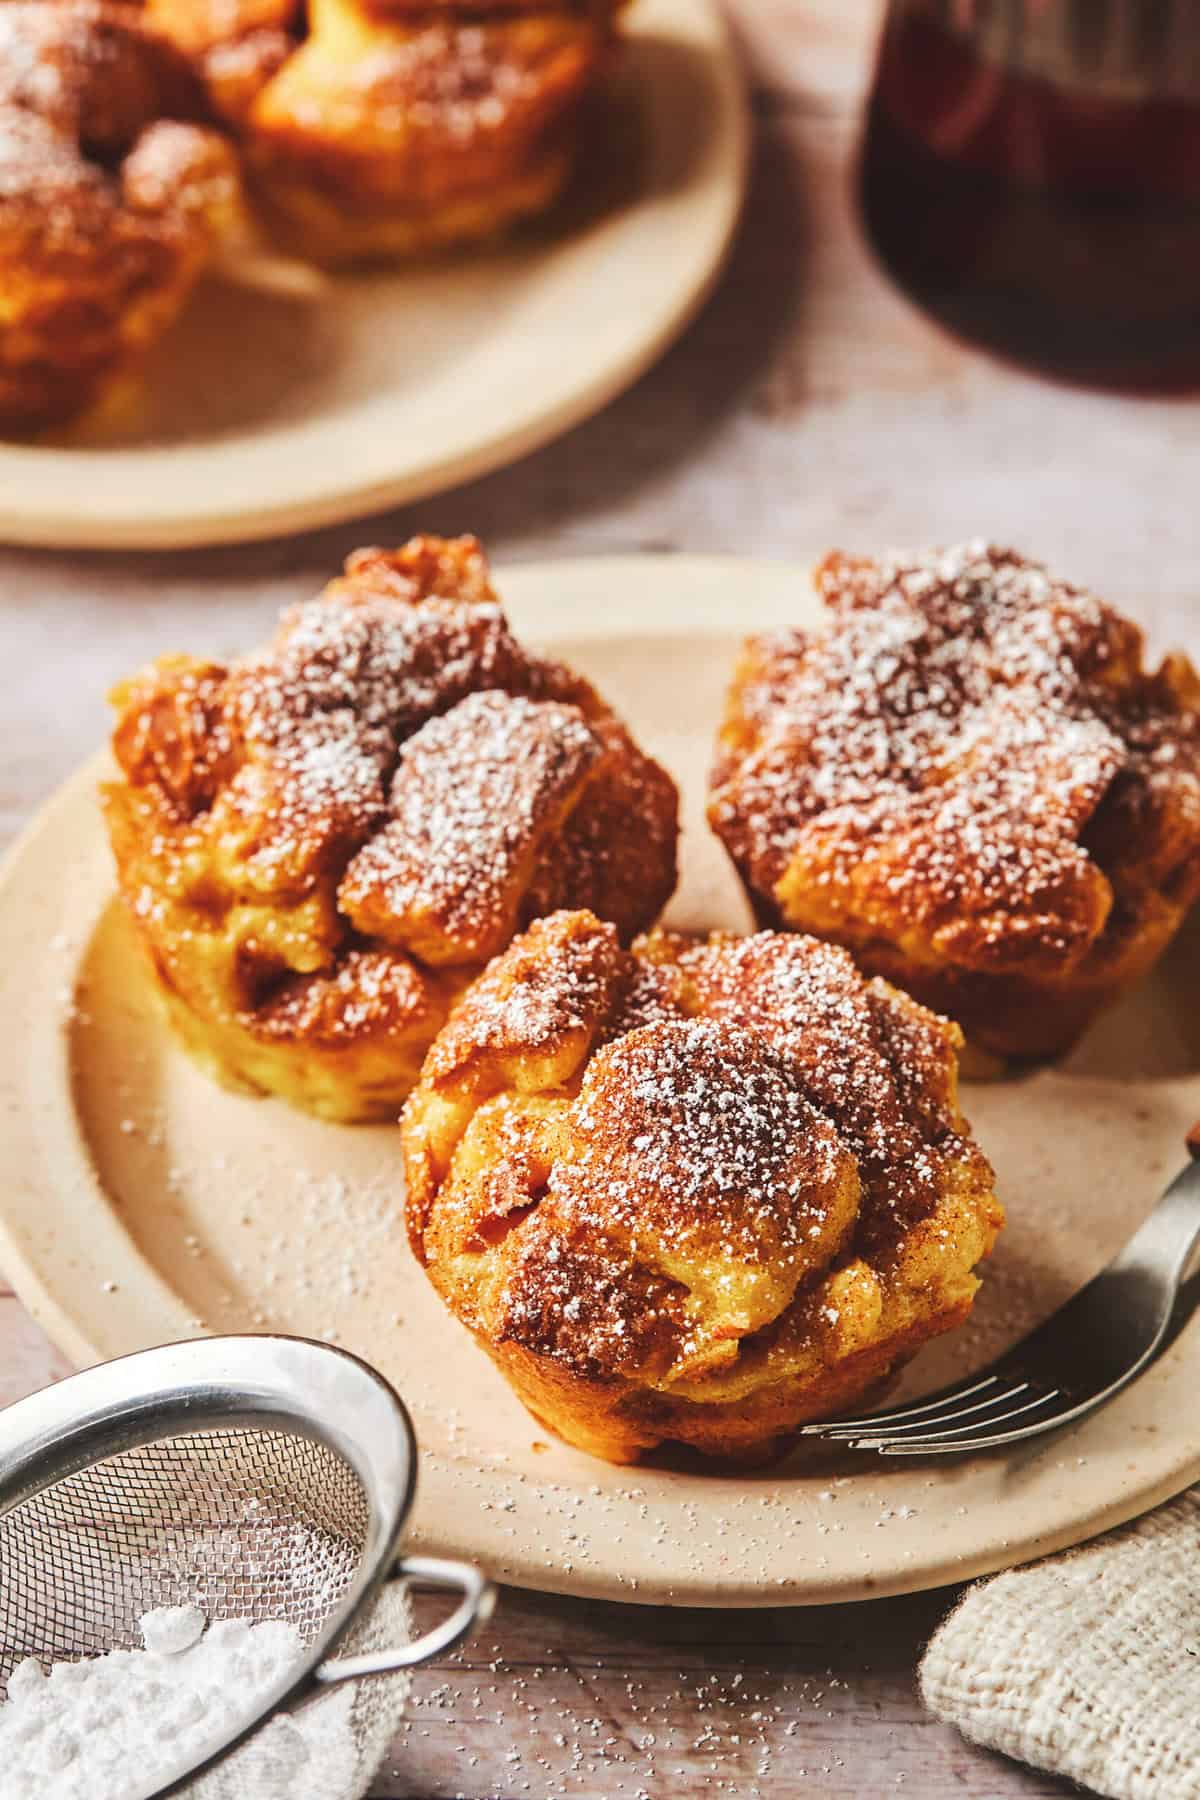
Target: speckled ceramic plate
262 414
140 1203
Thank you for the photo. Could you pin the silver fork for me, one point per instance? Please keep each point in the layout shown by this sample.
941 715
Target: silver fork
1079 1358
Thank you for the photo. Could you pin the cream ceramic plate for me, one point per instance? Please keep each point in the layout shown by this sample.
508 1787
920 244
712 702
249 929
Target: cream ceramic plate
264 414
138 1200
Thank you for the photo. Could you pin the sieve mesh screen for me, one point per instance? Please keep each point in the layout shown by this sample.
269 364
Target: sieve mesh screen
253 1524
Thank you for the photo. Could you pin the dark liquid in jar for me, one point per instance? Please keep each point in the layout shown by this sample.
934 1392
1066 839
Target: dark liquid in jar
1059 226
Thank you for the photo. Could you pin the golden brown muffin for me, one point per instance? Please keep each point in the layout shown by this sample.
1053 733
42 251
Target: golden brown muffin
110 201
323 843
971 779
700 1191
376 130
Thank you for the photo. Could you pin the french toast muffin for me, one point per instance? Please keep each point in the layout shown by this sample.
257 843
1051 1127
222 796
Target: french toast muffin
971 778
321 844
700 1191
113 198
380 129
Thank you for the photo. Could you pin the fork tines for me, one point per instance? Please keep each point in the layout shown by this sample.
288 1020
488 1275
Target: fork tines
992 1410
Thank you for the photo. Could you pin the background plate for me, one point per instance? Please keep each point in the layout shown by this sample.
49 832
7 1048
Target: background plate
264 415
141 1203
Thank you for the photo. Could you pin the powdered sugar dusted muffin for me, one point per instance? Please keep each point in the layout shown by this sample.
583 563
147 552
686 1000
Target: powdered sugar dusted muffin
702 1191
971 779
323 843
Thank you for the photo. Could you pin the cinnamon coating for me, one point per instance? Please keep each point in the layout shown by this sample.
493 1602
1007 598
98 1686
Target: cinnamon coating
378 129
321 844
111 199
702 1191
970 778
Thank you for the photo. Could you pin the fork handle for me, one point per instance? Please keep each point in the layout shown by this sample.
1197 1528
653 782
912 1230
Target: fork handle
1167 1239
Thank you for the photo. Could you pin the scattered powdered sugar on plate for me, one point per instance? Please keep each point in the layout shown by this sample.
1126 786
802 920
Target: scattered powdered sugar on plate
116 1727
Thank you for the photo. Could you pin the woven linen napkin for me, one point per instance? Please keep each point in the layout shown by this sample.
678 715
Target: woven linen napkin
1086 1664
331 1747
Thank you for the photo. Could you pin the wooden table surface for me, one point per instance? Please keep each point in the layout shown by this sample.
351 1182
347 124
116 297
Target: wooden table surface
809 405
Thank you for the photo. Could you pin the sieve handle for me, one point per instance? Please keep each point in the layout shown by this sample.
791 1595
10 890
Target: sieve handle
475 1608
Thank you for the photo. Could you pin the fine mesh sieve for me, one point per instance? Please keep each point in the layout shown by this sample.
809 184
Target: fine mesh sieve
257 1477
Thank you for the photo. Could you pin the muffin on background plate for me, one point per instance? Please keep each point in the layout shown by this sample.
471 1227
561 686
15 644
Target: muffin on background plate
321 844
971 779
699 1192
380 129
114 197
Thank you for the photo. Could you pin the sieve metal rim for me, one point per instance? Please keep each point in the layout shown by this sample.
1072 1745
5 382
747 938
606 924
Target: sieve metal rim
256 1381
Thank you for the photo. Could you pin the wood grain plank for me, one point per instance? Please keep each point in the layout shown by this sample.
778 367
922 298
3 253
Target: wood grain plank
619 1703
28 1360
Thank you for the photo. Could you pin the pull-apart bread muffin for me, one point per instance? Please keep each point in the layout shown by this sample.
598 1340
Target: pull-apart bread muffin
376 129
700 1191
321 844
971 779
111 201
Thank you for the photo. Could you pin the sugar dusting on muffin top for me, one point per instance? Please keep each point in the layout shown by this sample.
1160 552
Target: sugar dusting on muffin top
394 771
401 673
472 791
355 672
969 738
699 1129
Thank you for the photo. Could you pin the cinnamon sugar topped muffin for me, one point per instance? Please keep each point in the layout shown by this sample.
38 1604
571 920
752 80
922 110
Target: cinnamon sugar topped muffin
114 197
700 1191
321 844
971 779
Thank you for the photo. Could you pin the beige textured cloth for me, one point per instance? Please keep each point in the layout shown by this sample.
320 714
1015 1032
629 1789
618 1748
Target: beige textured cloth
1086 1664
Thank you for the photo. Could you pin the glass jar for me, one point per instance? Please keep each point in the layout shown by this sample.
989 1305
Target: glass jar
1031 172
